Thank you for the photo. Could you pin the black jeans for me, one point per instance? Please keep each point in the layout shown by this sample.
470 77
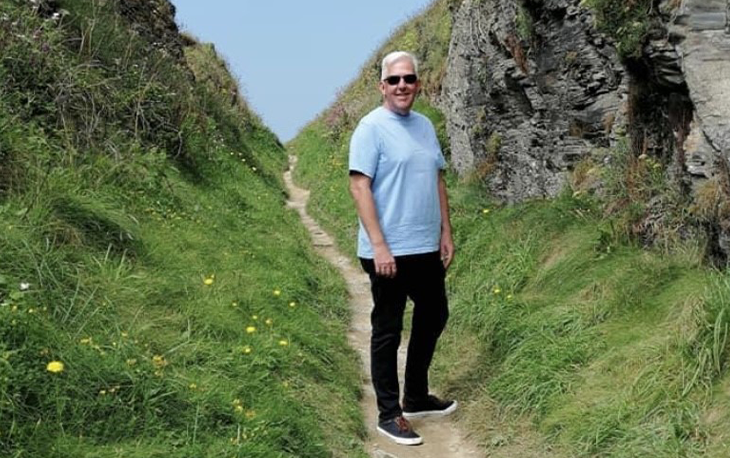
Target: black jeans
420 277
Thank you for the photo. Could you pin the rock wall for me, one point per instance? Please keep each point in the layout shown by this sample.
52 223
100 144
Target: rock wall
531 88
700 30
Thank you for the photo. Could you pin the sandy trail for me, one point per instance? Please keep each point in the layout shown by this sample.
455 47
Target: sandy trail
441 437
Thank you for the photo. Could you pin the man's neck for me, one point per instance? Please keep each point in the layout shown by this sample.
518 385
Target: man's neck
397 112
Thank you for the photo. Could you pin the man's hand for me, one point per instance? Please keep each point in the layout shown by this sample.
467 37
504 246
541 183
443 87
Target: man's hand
384 261
447 248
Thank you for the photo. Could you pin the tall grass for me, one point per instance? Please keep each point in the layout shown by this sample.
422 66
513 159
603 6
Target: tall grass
560 319
156 297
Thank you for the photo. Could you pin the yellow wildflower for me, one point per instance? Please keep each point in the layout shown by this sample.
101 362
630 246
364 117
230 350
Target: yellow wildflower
283 342
209 281
55 367
250 414
193 386
497 290
292 304
251 329
485 211
86 340
269 321
277 292
255 317
246 350
239 408
159 361
509 297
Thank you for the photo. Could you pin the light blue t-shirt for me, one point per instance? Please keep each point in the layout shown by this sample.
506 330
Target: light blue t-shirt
402 156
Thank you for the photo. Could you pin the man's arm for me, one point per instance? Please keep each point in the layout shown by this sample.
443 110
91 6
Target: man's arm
447 242
362 194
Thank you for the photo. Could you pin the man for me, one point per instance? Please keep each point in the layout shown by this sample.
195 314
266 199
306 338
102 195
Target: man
404 243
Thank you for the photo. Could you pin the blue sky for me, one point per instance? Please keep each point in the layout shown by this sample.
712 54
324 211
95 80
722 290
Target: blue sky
291 56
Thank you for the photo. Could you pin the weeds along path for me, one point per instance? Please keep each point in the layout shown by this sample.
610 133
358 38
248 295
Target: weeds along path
441 437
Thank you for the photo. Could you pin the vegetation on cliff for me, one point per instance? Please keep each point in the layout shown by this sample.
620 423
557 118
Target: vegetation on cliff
561 320
156 297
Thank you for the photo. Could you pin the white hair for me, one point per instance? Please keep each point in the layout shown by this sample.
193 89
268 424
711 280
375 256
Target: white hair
394 57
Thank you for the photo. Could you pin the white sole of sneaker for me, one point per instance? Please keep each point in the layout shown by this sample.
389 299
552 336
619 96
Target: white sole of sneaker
401 440
432 413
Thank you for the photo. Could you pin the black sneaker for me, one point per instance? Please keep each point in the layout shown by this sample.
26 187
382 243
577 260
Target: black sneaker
430 407
399 430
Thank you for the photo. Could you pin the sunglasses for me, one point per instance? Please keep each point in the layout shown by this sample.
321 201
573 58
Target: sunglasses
395 79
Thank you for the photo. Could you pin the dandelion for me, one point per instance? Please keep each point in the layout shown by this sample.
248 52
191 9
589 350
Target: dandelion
234 304
250 414
497 290
292 304
283 342
509 297
238 408
236 402
269 321
246 350
250 329
55 367
159 361
254 317
485 211
277 293
193 386
209 280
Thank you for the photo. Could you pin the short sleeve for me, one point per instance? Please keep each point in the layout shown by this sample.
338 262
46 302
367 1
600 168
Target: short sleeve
364 150
441 162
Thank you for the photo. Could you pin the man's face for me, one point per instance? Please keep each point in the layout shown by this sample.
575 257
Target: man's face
399 97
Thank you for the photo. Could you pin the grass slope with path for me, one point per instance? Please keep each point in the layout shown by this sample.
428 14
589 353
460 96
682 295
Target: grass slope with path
157 299
566 337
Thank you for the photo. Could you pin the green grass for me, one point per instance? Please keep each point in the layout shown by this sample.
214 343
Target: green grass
559 320
145 245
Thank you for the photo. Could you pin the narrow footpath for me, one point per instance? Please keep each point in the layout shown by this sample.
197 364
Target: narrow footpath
441 437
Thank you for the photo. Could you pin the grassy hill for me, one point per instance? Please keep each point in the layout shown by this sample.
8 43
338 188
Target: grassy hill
156 297
567 337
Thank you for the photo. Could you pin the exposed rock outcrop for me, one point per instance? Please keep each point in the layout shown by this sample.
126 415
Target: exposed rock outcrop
530 90
532 87
155 21
700 31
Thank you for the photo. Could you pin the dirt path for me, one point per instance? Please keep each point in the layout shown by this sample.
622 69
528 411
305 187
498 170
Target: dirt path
441 437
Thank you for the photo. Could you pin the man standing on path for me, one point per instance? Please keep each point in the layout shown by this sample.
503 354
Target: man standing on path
404 243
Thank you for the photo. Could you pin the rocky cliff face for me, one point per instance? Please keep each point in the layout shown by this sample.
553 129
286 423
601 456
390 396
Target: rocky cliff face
532 88
700 30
